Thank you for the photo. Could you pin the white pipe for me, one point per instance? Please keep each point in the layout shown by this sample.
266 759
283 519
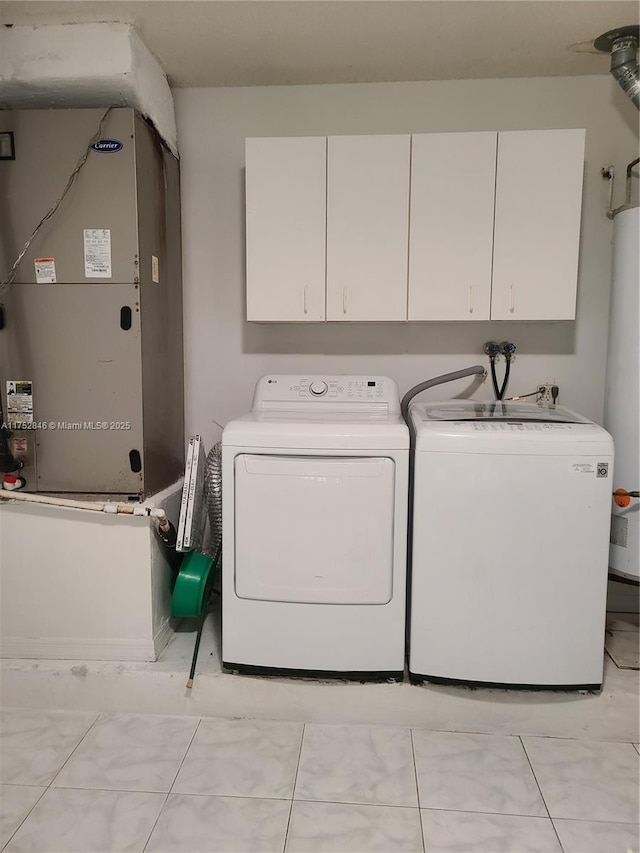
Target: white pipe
92 506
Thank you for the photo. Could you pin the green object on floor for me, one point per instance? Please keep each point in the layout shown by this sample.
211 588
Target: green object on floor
193 585
192 593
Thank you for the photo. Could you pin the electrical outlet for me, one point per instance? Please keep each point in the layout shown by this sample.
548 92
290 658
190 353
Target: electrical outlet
547 394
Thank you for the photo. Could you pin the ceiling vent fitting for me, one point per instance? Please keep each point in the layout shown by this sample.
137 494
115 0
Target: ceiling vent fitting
622 44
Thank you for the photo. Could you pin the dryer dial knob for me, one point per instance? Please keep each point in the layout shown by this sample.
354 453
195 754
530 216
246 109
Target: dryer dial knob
318 388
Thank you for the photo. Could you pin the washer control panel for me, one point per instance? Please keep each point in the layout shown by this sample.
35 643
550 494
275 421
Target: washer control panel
276 391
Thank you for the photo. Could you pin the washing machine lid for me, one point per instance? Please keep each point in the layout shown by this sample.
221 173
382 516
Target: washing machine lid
478 410
467 426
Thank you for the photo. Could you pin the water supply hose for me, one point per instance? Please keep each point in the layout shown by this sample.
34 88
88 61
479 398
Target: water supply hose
477 369
508 349
494 378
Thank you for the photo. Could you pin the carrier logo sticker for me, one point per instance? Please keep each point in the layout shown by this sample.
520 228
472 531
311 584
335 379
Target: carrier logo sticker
107 146
602 470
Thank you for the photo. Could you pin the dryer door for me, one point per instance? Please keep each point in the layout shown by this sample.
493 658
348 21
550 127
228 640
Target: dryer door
314 529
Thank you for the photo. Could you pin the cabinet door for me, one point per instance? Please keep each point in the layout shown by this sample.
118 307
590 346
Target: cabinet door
286 221
537 224
451 225
367 227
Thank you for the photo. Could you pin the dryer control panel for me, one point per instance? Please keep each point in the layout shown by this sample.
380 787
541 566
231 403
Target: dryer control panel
285 391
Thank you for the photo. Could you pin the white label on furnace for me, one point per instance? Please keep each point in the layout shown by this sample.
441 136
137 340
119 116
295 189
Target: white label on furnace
155 271
97 253
582 468
45 270
19 402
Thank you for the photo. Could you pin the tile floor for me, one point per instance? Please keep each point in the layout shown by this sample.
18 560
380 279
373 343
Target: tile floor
103 784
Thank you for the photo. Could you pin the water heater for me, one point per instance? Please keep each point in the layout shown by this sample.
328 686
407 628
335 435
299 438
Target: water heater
622 402
91 367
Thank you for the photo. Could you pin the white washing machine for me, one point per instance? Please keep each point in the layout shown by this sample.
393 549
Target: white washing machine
510 540
314 514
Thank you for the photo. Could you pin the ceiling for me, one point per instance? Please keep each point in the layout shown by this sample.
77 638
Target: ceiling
276 42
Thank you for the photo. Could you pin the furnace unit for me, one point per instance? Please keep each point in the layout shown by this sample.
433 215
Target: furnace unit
91 367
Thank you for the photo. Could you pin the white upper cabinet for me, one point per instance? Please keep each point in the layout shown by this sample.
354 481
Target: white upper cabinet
537 224
367 227
451 225
445 226
286 217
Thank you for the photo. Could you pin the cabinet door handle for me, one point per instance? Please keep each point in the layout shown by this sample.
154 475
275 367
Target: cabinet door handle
470 299
344 300
306 291
512 298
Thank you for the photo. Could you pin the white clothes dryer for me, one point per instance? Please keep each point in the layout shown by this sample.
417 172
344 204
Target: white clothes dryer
314 514
510 540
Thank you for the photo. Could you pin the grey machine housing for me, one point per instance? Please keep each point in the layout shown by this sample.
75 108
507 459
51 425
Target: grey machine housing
104 354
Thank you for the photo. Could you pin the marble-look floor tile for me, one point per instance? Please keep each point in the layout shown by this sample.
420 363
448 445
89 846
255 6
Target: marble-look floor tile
347 828
475 773
16 801
200 824
586 780
247 758
473 832
357 764
35 744
129 753
72 821
592 836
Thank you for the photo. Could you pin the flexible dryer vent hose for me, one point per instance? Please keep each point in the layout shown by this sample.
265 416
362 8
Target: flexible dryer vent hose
213 495
437 380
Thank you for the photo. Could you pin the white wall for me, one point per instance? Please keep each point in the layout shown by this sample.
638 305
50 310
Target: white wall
225 355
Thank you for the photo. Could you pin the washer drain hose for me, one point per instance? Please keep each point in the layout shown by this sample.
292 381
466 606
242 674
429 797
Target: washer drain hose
477 369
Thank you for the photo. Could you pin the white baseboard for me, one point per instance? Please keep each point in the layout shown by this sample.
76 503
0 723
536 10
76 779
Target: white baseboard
75 648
